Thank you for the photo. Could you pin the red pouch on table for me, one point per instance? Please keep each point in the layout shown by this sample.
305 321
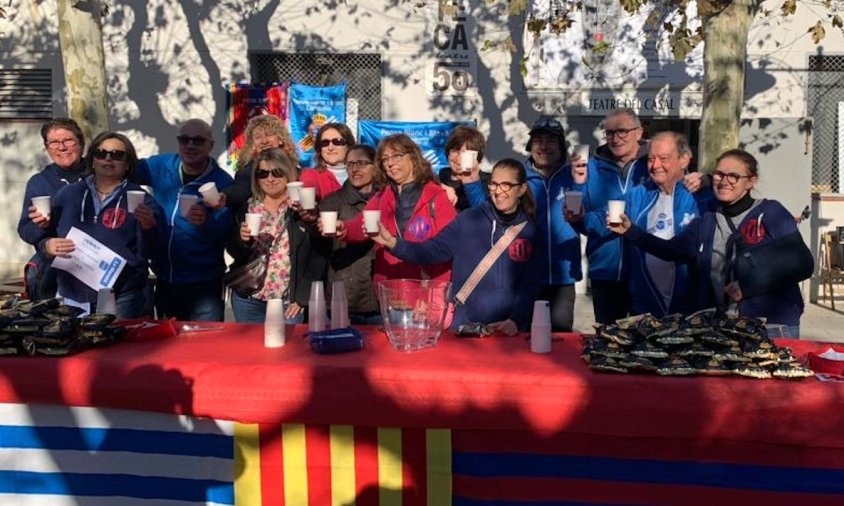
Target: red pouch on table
147 329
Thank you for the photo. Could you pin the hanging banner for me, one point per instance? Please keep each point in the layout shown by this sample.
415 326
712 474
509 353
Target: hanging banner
310 108
245 101
430 136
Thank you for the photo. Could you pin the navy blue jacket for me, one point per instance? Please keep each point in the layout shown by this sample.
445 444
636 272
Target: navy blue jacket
508 289
644 294
764 223
605 252
47 182
191 254
110 223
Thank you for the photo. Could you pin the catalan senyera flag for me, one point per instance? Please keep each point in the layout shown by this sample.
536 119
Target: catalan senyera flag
341 465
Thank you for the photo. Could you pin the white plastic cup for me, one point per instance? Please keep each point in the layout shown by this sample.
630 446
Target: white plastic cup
616 209
134 198
253 221
370 221
105 301
329 223
308 198
467 160
316 307
186 202
42 204
573 201
339 305
581 151
540 328
274 324
209 193
293 190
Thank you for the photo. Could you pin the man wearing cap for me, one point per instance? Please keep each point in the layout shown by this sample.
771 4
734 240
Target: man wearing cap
190 269
558 245
618 165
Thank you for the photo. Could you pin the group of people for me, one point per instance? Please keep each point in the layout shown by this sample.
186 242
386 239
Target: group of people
503 239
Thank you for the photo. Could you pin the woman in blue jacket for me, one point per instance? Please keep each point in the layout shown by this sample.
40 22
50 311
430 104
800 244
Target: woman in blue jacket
504 296
98 206
742 223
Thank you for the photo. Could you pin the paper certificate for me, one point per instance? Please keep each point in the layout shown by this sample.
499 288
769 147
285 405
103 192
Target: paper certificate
91 262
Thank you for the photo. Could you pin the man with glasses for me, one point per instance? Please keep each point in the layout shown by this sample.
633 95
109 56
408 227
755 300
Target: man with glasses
618 165
64 142
190 269
662 206
558 244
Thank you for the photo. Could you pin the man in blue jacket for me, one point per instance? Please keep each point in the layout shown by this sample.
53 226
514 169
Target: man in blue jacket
190 269
663 207
558 244
65 143
618 166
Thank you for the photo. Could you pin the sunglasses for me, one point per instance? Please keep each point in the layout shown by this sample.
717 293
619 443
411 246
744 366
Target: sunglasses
115 154
339 141
184 140
264 174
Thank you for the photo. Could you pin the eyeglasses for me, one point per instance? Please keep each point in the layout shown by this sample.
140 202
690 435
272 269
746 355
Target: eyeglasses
385 160
199 140
339 141
114 154
358 164
622 133
264 174
65 143
731 178
505 186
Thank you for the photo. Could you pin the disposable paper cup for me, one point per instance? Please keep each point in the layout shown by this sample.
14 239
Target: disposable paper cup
308 198
134 198
329 222
581 151
293 190
253 221
467 160
209 193
186 202
274 324
371 220
42 204
616 209
573 201
541 313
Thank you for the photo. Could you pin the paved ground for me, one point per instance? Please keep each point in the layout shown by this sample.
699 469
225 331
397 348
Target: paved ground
819 322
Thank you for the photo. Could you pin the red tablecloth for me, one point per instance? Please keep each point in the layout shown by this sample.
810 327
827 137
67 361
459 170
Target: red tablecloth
493 384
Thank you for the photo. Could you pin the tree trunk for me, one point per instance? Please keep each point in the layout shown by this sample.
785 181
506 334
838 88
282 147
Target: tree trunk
81 36
724 58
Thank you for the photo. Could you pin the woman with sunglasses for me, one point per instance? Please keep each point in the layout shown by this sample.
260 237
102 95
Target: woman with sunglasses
331 145
413 206
503 298
295 257
99 206
741 223
262 132
351 263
